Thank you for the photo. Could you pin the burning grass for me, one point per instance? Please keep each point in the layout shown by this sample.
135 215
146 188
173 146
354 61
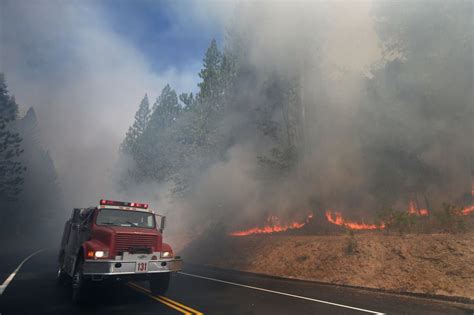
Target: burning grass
408 251
273 225
336 218
414 219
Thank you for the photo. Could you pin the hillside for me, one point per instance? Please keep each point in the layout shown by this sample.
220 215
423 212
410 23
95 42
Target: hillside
439 264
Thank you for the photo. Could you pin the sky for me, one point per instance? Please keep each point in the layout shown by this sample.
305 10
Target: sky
156 29
85 65
167 35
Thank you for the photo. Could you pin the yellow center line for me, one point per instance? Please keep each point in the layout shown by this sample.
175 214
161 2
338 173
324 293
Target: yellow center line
146 292
167 301
181 305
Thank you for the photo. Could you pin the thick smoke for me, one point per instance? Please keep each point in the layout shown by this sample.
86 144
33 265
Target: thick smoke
361 124
84 80
375 125
328 48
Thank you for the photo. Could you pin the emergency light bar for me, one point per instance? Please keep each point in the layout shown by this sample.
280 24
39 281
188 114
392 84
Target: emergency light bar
123 204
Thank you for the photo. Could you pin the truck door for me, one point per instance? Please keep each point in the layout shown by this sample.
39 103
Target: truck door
79 231
71 242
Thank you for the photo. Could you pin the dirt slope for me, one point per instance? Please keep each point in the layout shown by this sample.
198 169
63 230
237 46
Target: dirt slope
440 264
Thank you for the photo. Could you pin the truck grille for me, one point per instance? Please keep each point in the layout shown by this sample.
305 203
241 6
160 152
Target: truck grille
131 242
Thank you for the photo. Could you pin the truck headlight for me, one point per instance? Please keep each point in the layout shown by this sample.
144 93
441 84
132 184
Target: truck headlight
166 254
97 254
100 254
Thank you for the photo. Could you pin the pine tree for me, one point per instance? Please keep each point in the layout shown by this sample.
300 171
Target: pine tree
11 169
188 100
210 87
154 155
165 110
209 100
41 190
142 117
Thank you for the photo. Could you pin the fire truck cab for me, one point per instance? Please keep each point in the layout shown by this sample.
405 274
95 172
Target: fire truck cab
119 241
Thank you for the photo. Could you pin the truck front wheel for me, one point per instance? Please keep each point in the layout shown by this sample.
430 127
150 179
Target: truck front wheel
61 276
78 284
159 283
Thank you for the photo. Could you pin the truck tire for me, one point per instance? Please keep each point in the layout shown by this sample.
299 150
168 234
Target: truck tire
79 284
159 283
61 276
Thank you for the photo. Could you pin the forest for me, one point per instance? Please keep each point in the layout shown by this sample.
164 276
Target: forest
276 130
30 197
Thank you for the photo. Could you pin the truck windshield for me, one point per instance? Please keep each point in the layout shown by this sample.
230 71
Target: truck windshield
125 218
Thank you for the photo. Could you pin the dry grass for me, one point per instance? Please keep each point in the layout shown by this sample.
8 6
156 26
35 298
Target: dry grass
438 264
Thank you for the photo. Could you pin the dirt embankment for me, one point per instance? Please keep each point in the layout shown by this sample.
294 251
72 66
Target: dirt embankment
440 264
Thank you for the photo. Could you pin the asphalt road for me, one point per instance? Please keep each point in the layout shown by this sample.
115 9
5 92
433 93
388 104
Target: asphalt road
199 290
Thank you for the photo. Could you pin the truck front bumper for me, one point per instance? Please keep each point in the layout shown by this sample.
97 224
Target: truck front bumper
124 267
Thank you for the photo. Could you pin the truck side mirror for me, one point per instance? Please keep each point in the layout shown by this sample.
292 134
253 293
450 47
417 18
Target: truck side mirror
76 213
163 221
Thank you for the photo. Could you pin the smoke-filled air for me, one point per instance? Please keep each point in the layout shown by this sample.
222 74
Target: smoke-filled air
312 109
203 157
329 112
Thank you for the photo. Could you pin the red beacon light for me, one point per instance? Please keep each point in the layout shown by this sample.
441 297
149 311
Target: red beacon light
109 202
140 205
104 202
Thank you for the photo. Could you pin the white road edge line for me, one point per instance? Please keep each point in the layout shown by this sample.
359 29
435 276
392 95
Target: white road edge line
282 293
10 277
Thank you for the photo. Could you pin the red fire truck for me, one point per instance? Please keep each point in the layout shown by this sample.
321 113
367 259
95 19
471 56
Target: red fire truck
119 241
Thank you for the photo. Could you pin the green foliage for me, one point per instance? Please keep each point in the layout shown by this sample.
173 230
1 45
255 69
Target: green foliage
279 163
180 140
11 169
450 219
281 119
157 146
165 110
212 98
399 221
142 117
446 28
188 100
29 193
210 87
40 204
263 108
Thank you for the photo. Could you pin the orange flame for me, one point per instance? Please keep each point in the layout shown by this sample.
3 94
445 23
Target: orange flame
423 212
413 209
468 210
472 186
337 218
273 225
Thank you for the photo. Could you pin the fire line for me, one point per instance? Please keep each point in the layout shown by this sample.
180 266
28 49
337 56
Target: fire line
336 218
273 225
